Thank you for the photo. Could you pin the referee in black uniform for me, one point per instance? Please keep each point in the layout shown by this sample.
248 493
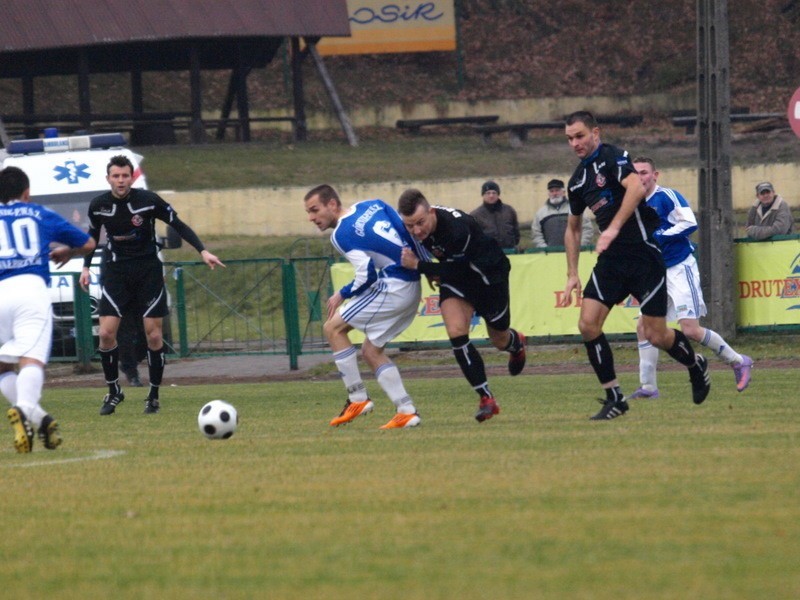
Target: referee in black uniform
629 261
132 278
472 274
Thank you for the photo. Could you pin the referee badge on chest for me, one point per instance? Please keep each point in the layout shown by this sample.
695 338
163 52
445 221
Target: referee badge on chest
137 220
600 180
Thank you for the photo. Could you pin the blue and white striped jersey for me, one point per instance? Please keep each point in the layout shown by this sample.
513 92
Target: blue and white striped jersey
371 236
677 224
26 231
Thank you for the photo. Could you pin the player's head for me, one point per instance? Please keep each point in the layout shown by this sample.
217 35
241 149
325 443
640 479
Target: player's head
323 206
119 175
582 131
121 161
646 168
14 185
418 215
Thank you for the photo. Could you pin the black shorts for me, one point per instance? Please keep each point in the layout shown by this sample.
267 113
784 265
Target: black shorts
491 302
134 287
639 272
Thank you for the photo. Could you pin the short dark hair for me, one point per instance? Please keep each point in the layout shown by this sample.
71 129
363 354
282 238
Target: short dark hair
120 160
13 183
410 200
325 192
645 159
583 116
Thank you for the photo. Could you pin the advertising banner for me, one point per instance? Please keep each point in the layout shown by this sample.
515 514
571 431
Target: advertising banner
768 283
768 294
382 26
537 286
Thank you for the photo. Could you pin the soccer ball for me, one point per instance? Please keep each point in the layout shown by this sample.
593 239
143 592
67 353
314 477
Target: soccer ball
217 420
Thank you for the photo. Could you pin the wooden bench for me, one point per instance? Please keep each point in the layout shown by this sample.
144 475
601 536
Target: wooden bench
690 122
414 125
518 132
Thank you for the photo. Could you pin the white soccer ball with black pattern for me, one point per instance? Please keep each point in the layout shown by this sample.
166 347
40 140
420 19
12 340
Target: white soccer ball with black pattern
218 420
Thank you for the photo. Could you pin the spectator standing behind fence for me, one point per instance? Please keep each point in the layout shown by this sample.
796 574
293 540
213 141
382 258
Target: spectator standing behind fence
498 220
769 216
550 222
685 303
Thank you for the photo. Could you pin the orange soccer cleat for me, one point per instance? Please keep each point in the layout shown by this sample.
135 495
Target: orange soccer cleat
401 421
351 410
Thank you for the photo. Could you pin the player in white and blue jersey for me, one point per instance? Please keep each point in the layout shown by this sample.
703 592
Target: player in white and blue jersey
27 231
383 298
685 297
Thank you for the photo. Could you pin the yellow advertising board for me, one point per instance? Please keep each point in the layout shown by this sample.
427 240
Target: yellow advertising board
768 294
381 26
537 286
768 283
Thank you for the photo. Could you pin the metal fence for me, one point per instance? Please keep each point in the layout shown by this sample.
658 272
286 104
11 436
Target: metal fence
253 306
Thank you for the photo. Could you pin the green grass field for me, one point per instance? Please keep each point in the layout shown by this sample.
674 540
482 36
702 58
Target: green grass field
670 501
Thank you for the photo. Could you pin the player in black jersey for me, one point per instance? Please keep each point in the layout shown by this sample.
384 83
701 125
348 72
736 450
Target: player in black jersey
629 260
132 279
472 274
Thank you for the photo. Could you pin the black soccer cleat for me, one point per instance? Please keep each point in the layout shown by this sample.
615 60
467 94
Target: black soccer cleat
49 434
110 403
151 406
611 410
700 378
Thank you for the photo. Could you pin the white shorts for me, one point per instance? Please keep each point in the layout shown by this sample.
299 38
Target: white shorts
384 311
683 288
26 319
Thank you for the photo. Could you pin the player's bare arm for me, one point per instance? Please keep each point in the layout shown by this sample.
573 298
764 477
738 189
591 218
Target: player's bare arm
572 247
211 260
408 259
634 192
333 303
61 255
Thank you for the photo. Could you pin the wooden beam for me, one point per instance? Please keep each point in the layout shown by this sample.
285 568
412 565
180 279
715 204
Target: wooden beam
344 120
300 128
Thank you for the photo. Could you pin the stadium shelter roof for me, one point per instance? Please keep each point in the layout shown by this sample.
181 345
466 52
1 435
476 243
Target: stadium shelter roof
81 37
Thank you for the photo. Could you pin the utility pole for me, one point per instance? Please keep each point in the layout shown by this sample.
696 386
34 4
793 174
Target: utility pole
714 136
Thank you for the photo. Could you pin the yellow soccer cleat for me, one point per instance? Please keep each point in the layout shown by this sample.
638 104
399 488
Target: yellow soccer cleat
23 432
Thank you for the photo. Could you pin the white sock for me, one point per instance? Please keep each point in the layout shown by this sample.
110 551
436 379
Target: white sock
29 392
648 363
8 386
713 341
348 368
388 376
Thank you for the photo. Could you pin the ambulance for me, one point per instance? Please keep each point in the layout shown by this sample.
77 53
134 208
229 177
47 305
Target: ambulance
66 173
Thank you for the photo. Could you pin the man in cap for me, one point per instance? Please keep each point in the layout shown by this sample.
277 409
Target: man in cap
497 220
550 222
770 215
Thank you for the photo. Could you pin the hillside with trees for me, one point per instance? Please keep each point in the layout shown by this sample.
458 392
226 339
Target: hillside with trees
510 49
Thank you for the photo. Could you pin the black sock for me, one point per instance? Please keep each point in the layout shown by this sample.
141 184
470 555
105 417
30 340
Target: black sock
109 359
471 363
514 344
614 394
601 358
682 350
156 359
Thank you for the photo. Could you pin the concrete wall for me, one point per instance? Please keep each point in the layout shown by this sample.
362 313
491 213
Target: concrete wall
279 211
510 111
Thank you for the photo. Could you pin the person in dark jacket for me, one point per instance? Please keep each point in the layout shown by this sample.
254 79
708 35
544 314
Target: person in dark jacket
498 220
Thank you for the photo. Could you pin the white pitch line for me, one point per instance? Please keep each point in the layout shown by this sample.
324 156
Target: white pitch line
99 455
